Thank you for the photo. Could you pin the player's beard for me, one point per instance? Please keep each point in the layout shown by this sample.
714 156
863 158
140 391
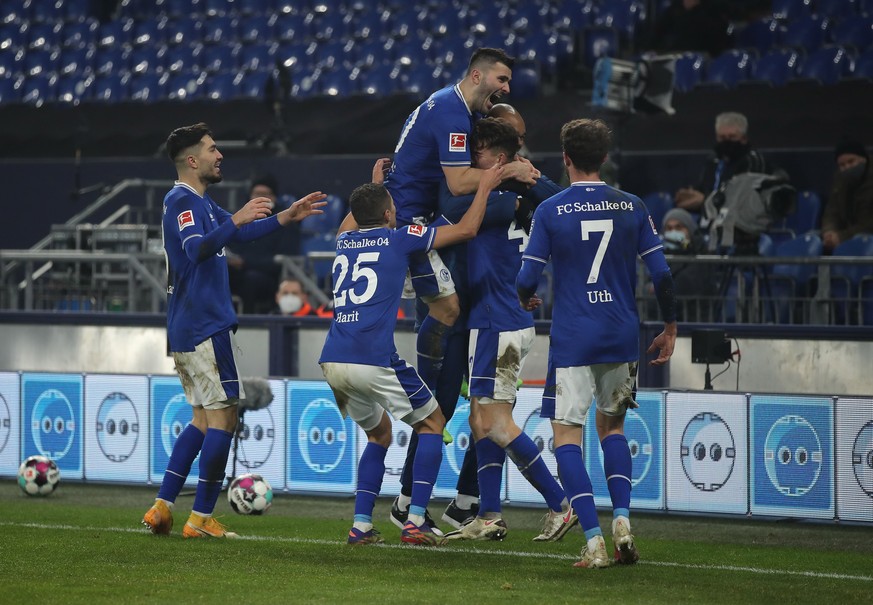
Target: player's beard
213 177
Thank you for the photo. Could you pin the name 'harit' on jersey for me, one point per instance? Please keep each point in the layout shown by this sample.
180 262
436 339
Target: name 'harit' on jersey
368 275
593 234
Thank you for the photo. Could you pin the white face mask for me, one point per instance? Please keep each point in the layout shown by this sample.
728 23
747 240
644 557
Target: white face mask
290 303
675 240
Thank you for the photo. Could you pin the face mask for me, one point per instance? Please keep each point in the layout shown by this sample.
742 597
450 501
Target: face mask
675 241
290 303
730 150
854 175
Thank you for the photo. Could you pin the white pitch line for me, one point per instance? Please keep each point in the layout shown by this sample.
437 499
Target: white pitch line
475 551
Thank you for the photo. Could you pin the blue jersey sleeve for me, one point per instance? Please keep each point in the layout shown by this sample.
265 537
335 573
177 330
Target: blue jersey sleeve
535 257
498 210
413 238
192 216
451 131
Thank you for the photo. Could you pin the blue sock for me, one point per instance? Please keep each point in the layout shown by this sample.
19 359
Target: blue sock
184 452
491 457
577 485
213 460
531 465
431 348
425 469
371 469
618 467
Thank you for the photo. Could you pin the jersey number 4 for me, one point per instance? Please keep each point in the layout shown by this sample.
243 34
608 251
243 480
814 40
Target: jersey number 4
341 290
599 226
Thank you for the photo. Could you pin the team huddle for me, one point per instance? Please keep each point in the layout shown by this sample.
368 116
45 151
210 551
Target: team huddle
457 184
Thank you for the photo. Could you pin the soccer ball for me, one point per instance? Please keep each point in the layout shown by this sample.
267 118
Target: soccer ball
250 494
38 476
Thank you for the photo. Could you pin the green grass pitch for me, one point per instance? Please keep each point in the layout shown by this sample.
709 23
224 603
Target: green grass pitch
85 544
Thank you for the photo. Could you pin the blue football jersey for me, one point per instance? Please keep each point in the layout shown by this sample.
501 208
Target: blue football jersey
593 234
198 294
436 134
368 276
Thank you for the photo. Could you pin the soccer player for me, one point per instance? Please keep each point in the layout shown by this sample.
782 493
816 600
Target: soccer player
369 380
501 336
593 234
201 321
433 149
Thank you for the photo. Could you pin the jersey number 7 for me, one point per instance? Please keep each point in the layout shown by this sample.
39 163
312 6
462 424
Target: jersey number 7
600 226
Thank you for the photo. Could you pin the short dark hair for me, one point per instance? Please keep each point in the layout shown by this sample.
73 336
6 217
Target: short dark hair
368 204
586 143
184 137
496 134
485 58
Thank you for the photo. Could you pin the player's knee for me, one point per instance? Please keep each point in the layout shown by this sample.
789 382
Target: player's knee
434 423
446 310
381 434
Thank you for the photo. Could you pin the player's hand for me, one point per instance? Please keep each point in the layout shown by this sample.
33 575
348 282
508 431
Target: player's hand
522 171
536 173
305 206
663 343
533 303
491 178
380 170
260 207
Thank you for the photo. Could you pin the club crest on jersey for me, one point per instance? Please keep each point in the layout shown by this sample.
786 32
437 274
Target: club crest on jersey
186 219
457 141
415 230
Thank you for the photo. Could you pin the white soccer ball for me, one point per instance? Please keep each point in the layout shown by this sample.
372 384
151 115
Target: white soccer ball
250 494
38 476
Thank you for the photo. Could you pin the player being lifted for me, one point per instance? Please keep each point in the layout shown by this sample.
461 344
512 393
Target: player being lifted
360 360
593 235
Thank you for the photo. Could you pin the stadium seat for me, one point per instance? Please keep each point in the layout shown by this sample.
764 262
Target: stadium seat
447 21
688 71
621 15
10 89
43 36
80 34
490 18
335 54
422 79
333 214
332 25
297 56
790 283
214 8
547 49
787 10
253 84
182 57
222 86
292 28
258 57
529 18
837 9
185 86
148 87
147 60
73 89
371 25
115 34
864 65
408 22
220 29
113 59
658 203
525 81
846 279
760 35
380 81
728 69
181 8
806 214
337 83
257 28
11 38
776 67
11 64
572 16
598 41
370 53
856 32
826 65
149 33
319 242
806 33
220 57
188 32
39 89
111 88
40 62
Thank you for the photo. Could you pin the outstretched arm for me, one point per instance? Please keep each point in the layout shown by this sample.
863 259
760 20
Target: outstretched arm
469 224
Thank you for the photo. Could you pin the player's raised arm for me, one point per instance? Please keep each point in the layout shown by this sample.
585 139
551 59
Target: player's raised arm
305 206
469 224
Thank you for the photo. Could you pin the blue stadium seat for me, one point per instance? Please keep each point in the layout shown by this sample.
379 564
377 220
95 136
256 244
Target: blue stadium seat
214 8
658 203
292 28
74 89
760 35
258 7
335 54
370 53
490 18
864 65
80 34
525 81
538 45
451 52
10 89
43 36
856 32
253 84
186 86
76 61
297 56
148 59
10 64
688 71
148 87
791 283
372 25
530 18
729 68
409 22
826 65
111 88
381 80
320 242
332 25
40 62
572 16
846 279
337 83
222 86
11 38
837 9
149 33
258 57
598 41
806 214
39 89
422 79
220 57
806 33
776 67
257 29
787 10
220 29
183 58
188 32
447 21
326 223
622 15
112 59
115 34
181 8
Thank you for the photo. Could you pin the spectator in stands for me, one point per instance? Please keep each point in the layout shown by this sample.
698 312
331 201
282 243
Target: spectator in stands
849 209
252 267
732 155
292 299
696 25
695 284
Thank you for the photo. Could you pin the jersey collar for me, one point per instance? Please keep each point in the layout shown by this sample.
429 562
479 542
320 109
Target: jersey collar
463 100
588 183
188 187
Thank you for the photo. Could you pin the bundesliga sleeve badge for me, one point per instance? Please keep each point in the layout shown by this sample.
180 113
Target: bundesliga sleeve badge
457 141
186 219
415 230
